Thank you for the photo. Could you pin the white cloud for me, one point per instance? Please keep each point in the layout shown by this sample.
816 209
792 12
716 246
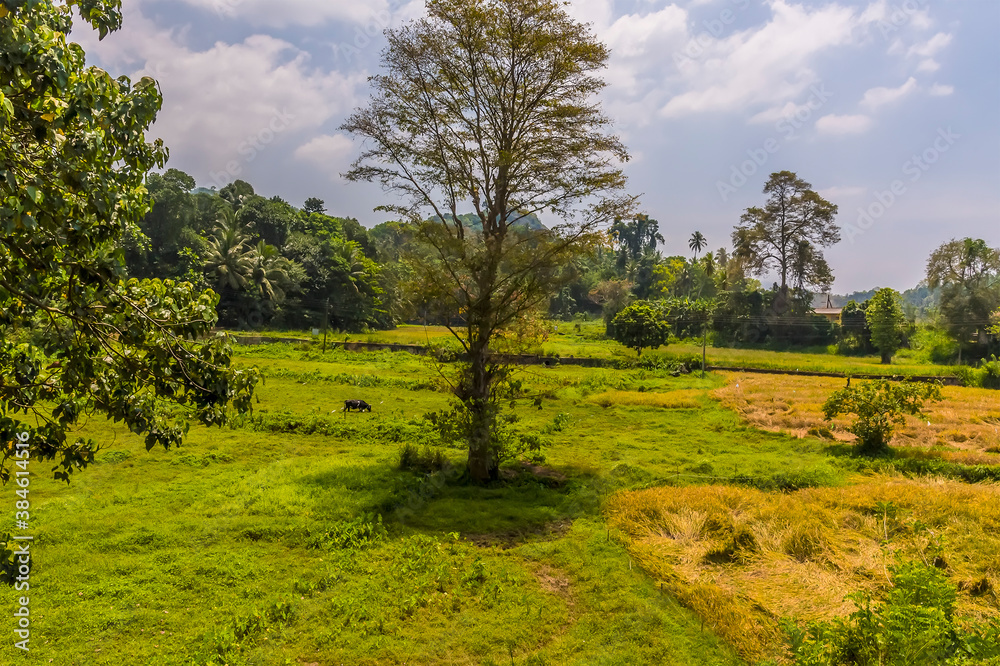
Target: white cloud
843 192
876 97
229 104
377 13
834 124
331 153
766 65
776 113
931 47
929 65
941 90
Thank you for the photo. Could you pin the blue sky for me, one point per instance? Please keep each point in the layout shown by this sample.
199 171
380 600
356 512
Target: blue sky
890 108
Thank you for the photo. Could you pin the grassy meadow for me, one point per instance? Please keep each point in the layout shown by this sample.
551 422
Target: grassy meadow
586 339
293 537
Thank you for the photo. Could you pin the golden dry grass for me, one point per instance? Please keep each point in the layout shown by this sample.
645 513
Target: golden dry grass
743 558
681 399
963 428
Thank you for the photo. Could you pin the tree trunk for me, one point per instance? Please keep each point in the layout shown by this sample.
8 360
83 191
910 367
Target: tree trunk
886 359
483 463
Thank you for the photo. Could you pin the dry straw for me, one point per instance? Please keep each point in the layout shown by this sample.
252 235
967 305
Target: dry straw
742 558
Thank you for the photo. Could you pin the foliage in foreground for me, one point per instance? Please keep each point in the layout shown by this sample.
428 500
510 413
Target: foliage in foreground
916 624
77 337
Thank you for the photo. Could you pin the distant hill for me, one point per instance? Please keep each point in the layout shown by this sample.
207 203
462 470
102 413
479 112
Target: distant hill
473 221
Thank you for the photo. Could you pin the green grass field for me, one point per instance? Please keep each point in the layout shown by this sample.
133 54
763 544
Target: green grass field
566 339
293 538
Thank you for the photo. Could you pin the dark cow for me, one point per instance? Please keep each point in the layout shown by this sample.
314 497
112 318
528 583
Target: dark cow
359 405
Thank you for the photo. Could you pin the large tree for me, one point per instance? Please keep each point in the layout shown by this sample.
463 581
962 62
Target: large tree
490 104
968 273
786 235
77 338
635 239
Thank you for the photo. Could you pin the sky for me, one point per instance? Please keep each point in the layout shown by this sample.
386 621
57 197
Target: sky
889 108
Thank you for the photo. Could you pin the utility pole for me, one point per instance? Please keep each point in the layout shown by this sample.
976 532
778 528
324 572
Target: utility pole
326 321
704 342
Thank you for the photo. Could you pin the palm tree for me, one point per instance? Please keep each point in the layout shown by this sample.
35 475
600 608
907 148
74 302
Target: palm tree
228 257
351 259
271 272
709 262
697 243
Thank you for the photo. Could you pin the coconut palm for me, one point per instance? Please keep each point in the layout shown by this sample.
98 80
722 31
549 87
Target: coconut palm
228 256
697 243
272 273
351 260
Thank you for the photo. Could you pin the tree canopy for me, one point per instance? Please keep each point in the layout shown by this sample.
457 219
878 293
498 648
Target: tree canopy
77 337
884 316
787 233
968 274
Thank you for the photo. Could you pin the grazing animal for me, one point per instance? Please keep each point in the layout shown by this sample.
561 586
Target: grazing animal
359 405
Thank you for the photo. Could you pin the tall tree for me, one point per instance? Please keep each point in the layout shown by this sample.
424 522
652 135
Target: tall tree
697 243
886 320
76 337
491 103
635 238
968 274
787 233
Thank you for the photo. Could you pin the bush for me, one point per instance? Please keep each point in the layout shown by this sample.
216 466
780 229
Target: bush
986 375
933 346
915 625
640 326
880 407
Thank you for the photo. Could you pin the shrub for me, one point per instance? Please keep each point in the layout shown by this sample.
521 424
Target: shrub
639 326
914 625
986 375
880 407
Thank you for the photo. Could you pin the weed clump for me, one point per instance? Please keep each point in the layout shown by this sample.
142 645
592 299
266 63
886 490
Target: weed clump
425 461
354 534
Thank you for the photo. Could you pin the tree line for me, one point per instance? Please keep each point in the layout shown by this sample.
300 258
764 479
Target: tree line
275 265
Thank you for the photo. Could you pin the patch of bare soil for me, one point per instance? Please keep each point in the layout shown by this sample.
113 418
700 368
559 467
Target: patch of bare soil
554 581
514 538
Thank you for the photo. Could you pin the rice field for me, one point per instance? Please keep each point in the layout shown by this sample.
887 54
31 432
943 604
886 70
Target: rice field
745 559
963 427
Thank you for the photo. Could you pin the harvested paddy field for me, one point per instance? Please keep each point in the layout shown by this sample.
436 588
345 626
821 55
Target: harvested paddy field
964 427
744 559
